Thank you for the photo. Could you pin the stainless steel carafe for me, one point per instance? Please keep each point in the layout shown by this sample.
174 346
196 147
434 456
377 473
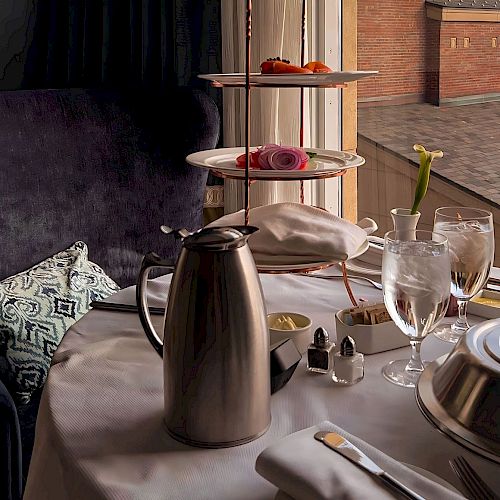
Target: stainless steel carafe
216 341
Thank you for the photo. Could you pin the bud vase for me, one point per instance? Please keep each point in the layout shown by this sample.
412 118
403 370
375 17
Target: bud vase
405 223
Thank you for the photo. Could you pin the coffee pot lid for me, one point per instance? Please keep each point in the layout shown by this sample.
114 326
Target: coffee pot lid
219 238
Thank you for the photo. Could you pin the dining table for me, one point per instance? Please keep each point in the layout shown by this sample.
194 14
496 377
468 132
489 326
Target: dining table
100 431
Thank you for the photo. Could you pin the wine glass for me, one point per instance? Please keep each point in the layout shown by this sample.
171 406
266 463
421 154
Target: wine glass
416 286
472 246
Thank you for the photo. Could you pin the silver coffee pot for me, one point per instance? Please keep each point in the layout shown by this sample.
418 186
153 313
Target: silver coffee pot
216 341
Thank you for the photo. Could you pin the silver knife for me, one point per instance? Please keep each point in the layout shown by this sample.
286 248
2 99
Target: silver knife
341 445
113 306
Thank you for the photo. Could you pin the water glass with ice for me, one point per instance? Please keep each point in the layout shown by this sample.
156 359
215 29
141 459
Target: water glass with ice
416 287
472 245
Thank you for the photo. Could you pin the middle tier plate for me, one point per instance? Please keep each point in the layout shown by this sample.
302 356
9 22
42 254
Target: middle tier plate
326 163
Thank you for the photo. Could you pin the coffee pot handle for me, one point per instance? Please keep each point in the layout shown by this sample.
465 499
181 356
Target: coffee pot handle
149 261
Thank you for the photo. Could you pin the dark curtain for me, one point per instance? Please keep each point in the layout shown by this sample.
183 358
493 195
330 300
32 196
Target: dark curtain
123 44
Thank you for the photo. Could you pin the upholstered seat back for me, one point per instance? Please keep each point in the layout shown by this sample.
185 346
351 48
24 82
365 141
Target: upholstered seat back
102 167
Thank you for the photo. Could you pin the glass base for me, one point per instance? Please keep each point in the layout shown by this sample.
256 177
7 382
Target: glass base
397 373
447 334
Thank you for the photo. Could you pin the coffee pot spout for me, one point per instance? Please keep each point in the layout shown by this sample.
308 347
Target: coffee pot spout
178 233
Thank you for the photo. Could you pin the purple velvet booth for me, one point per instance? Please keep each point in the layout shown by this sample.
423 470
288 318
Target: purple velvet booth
99 166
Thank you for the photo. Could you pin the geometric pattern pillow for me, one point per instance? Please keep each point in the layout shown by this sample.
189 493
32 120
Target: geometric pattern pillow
37 306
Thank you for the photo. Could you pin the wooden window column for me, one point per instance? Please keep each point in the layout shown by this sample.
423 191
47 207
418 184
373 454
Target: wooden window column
349 107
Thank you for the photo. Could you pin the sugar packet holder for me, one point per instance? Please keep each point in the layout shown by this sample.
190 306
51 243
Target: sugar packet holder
366 315
370 338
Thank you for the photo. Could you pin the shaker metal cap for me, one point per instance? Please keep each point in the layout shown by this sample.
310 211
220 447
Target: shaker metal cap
348 347
219 238
320 337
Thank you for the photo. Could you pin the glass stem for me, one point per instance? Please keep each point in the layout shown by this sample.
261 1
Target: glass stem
415 364
461 325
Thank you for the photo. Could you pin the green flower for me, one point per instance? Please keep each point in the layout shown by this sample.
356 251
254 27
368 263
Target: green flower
424 173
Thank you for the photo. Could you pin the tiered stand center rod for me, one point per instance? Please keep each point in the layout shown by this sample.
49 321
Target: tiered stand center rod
247 111
302 62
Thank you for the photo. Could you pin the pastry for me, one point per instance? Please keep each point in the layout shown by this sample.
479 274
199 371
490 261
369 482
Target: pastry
277 66
318 67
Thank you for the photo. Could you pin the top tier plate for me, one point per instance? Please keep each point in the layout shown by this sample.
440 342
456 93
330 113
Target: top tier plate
322 80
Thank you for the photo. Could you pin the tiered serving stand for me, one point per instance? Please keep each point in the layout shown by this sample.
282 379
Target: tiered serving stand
328 164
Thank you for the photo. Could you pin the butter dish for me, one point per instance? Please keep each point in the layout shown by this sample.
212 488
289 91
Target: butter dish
301 335
371 339
485 304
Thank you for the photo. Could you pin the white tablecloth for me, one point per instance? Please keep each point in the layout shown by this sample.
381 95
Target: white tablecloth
100 435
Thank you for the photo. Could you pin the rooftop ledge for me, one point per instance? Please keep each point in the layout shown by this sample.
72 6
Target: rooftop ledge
464 10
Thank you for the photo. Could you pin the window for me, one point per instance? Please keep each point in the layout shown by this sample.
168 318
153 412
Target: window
438 85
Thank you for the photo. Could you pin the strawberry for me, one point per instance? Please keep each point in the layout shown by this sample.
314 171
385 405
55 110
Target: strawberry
304 164
254 160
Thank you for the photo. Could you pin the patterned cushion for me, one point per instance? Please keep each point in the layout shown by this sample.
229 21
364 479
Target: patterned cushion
37 306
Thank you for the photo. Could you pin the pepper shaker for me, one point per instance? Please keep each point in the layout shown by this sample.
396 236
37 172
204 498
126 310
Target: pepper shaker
348 364
319 353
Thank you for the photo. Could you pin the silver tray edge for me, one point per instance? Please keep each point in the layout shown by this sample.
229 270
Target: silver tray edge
443 422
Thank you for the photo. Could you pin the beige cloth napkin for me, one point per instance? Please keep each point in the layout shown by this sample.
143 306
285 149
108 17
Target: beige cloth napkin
306 469
295 233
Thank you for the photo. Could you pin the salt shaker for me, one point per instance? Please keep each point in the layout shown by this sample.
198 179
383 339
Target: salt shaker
348 364
319 353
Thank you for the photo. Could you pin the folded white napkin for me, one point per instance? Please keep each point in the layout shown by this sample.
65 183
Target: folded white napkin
295 233
306 469
374 255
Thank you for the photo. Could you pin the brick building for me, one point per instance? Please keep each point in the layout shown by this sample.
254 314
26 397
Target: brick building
439 51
